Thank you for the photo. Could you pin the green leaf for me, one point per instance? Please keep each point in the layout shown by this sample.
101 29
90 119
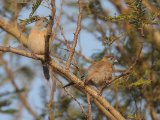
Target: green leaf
130 116
9 111
35 7
4 103
140 83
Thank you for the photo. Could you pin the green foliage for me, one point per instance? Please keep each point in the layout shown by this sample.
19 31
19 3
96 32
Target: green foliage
140 82
35 7
28 20
4 104
9 111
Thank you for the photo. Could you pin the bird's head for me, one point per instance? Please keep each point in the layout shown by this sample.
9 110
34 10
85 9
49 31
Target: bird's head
109 58
41 22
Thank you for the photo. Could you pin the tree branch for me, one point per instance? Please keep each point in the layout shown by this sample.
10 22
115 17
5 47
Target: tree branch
75 36
57 68
72 78
13 30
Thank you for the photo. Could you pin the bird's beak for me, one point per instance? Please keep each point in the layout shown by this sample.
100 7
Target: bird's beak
115 61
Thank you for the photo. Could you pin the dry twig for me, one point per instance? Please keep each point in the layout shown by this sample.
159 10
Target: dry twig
75 36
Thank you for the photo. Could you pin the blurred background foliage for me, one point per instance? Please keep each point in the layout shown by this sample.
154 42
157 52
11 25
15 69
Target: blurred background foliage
122 30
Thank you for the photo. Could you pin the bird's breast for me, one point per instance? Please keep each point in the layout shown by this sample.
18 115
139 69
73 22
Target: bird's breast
36 41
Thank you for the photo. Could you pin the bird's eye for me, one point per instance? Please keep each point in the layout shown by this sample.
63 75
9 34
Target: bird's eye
112 58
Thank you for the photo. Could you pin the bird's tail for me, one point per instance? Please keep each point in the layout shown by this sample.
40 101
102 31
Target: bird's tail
46 71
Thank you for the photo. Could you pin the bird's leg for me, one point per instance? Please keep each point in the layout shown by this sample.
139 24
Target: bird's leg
101 91
87 82
71 83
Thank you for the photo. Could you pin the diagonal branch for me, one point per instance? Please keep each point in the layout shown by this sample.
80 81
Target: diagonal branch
13 30
72 78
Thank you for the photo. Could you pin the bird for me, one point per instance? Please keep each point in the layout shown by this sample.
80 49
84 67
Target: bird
36 41
100 72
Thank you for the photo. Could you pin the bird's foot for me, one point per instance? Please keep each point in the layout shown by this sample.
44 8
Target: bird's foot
69 84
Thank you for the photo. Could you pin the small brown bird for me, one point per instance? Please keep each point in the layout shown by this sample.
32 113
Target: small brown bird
100 72
36 41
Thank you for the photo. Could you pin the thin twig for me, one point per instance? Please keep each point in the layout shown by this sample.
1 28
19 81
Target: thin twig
68 47
22 52
65 39
21 95
51 101
89 107
57 25
75 36
69 94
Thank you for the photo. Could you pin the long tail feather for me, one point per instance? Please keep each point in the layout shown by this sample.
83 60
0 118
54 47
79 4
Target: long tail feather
46 71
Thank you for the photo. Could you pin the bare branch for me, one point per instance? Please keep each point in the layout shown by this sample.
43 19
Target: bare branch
13 30
21 52
51 101
79 84
75 36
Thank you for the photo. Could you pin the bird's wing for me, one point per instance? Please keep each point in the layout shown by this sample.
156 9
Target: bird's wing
92 72
90 76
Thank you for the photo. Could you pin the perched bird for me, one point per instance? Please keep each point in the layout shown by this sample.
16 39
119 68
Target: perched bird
36 41
100 72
